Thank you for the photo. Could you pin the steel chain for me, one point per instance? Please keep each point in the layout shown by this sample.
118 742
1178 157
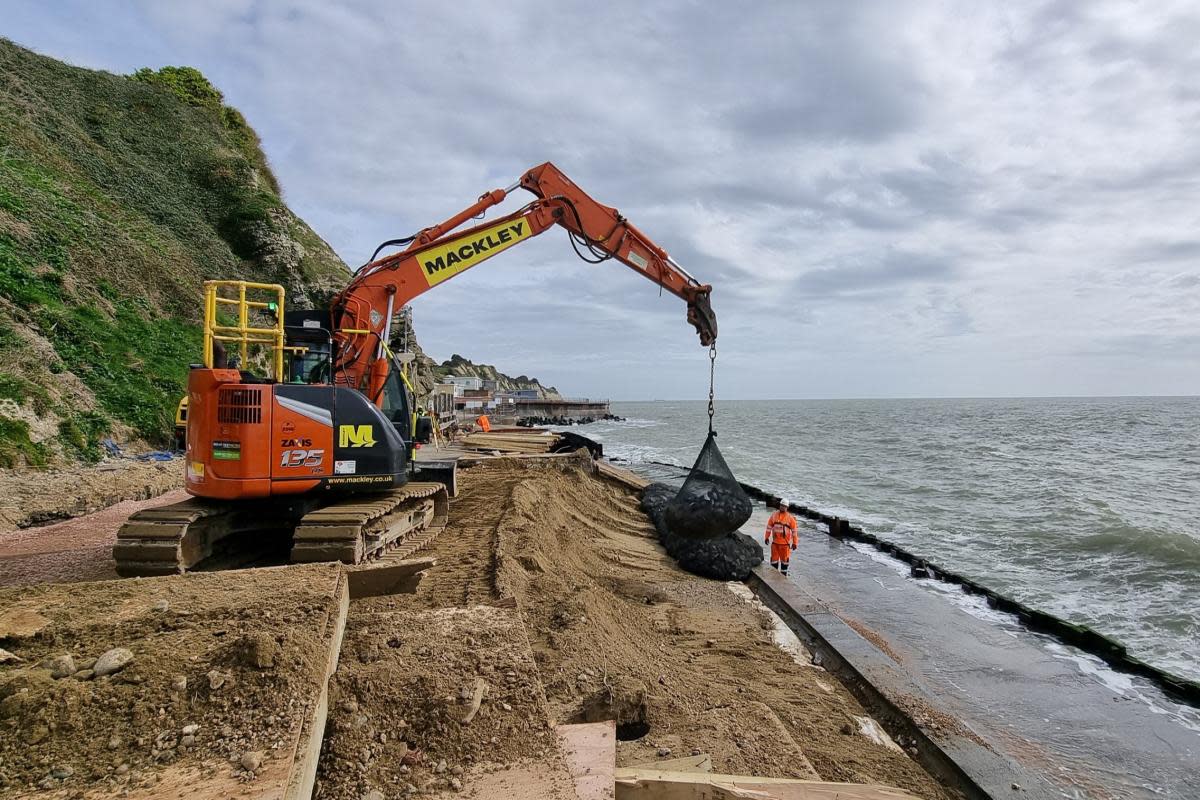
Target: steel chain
712 374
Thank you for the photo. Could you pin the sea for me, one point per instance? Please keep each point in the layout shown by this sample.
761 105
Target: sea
1088 508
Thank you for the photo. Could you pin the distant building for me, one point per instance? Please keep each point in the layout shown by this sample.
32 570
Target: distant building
464 381
525 394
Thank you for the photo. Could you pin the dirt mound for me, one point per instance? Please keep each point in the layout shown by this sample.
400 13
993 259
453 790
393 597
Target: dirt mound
423 697
618 631
35 497
217 666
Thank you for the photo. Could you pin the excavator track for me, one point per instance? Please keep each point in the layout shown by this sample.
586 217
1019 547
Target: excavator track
360 528
202 534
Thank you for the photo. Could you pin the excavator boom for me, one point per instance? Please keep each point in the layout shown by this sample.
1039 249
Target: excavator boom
362 313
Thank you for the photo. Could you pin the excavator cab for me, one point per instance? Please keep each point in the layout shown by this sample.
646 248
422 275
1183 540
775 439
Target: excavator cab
309 347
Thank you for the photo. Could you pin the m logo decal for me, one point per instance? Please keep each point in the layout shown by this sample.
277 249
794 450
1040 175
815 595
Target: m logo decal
356 436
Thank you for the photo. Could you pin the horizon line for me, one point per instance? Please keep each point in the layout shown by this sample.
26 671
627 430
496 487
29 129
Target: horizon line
922 397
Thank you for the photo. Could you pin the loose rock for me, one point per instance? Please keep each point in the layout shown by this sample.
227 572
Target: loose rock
251 760
161 606
113 661
62 666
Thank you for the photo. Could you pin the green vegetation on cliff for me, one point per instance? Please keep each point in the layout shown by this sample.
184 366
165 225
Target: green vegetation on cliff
119 196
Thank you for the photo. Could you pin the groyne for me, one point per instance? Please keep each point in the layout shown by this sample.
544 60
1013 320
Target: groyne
1080 636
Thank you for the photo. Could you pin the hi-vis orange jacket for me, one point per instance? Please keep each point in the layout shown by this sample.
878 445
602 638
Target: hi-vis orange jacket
781 529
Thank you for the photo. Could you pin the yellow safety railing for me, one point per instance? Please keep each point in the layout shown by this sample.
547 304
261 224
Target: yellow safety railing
243 333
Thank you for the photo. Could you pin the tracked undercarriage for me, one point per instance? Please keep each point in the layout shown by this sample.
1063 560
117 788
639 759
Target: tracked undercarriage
196 533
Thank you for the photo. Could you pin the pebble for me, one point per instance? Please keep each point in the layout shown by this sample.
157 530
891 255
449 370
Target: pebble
6 656
113 660
62 772
506 706
456 784
62 666
161 606
190 730
663 752
456 770
1016 787
441 767
114 743
84 675
374 794
187 741
216 679
179 683
251 760
124 768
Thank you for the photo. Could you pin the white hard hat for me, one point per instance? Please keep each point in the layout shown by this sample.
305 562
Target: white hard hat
783 501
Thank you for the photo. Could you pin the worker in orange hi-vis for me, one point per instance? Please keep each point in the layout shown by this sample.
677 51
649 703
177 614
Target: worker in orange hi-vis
781 534
483 422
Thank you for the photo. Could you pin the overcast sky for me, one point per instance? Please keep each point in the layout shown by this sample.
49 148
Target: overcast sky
890 199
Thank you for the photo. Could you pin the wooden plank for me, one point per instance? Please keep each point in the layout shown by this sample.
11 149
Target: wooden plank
633 783
590 750
621 475
307 751
700 763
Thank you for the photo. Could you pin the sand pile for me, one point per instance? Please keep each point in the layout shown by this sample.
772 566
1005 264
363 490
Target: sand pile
619 632
120 685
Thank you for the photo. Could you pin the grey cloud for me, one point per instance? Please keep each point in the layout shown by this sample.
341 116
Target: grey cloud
872 275
1000 178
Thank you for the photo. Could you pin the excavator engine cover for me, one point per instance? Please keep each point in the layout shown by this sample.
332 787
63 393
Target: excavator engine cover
711 502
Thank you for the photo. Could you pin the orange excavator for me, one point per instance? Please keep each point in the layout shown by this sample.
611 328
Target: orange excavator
322 448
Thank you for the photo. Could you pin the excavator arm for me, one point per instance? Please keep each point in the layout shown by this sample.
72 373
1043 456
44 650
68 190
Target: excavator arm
363 312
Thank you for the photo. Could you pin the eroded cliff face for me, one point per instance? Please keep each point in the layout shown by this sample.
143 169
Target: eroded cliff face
119 196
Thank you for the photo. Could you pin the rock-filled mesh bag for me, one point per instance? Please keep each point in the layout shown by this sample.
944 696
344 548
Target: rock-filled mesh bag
728 558
711 503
